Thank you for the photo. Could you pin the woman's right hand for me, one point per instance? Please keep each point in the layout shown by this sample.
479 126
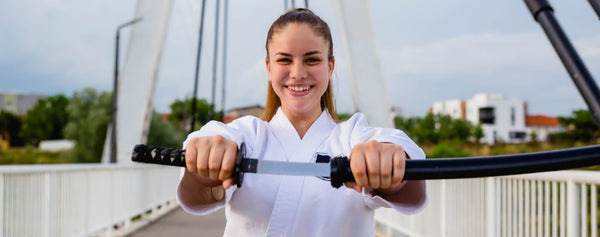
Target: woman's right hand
212 160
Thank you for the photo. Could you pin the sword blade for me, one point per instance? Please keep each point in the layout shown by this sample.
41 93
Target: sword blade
250 165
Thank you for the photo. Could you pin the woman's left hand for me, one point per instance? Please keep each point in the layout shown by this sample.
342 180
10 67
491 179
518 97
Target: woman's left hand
377 165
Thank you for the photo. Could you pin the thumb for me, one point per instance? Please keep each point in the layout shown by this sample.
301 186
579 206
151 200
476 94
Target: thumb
228 183
353 185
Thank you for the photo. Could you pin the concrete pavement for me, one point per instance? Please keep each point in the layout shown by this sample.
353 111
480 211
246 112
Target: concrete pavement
180 223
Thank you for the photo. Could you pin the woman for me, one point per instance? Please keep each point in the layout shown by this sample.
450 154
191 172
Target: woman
299 121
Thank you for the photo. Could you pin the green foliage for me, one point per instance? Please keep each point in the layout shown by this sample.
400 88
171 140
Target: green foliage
46 120
462 130
446 150
343 116
477 133
89 115
33 156
436 128
182 110
163 133
10 124
581 127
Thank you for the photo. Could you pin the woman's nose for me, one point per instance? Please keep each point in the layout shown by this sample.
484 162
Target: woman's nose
298 71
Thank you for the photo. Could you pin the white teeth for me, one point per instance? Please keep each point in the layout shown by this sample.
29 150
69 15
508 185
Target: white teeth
299 88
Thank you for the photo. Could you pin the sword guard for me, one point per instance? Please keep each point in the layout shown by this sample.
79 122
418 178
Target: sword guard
340 171
238 174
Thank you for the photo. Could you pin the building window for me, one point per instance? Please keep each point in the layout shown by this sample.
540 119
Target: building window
517 135
512 116
486 115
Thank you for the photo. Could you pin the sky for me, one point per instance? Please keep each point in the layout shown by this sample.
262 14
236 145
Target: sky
430 50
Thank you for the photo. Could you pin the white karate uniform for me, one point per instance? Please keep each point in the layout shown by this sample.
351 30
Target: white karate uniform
281 205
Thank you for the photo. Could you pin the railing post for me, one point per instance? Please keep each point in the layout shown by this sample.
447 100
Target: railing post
572 209
443 208
594 210
490 207
2 203
47 205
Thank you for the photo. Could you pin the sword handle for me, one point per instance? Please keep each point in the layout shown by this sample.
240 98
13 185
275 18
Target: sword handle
340 171
176 157
158 155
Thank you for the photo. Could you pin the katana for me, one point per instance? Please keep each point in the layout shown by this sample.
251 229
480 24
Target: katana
338 169
448 168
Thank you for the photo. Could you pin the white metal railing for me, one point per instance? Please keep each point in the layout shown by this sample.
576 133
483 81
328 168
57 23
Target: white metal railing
562 203
81 199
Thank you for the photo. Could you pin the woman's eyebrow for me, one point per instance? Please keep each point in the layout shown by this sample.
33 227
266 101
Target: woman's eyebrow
283 54
312 52
306 54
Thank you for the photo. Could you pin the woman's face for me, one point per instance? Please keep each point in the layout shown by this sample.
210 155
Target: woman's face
299 69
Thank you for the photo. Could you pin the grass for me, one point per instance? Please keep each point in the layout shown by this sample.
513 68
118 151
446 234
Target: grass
30 155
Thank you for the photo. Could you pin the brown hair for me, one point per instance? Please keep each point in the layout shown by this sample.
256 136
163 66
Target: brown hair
320 27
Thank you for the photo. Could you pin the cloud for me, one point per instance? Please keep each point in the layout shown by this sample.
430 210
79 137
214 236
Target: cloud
71 43
475 55
510 64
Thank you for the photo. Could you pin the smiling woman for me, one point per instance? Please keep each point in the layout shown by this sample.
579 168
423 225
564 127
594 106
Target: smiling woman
299 123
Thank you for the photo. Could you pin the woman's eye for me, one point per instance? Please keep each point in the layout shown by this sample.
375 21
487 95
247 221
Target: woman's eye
313 60
284 60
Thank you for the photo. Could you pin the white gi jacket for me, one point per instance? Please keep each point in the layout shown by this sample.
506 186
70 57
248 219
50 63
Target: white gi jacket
279 205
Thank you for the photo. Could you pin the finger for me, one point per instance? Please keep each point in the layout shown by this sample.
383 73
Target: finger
202 156
353 185
358 167
214 161
386 168
228 163
190 157
399 167
372 157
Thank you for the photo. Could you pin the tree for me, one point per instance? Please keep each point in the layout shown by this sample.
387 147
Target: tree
426 130
181 112
10 127
436 128
443 127
89 116
461 130
163 133
478 133
46 120
580 127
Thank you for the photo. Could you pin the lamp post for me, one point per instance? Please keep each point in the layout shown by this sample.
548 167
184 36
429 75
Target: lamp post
113 134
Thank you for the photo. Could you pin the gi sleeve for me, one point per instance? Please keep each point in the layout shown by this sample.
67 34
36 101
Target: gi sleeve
360 133
248 130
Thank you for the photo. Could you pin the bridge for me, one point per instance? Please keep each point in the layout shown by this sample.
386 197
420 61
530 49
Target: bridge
140 200
125 199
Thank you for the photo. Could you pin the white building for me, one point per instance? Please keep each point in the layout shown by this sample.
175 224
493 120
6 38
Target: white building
501 119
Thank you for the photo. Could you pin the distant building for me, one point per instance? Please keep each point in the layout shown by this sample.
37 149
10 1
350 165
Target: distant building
18 104
399 112
230 115
542 126
501 119
455 108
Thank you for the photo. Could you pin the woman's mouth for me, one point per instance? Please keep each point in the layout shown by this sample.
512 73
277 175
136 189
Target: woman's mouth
298 88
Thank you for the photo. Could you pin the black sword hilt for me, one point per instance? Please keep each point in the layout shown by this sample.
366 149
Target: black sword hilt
176 157
158 155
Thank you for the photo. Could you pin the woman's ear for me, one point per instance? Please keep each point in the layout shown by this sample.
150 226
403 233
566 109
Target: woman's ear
267 65
331 66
